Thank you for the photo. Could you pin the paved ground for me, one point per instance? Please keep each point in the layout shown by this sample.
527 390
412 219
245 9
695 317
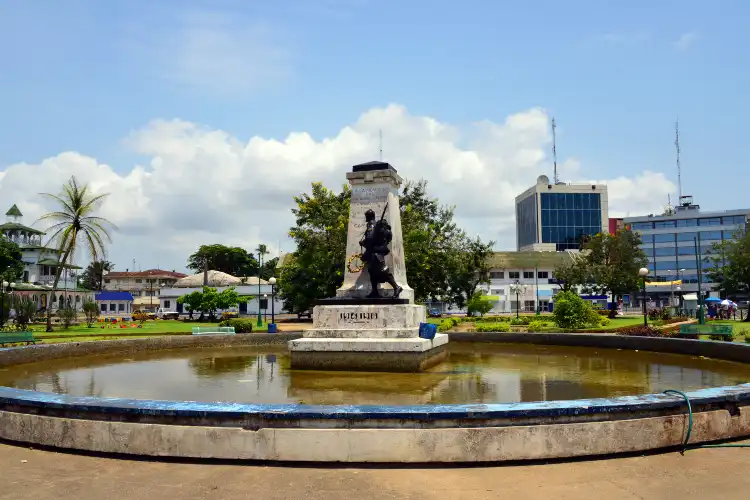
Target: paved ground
42 475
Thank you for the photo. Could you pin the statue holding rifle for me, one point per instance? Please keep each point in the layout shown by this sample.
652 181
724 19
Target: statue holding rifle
375 243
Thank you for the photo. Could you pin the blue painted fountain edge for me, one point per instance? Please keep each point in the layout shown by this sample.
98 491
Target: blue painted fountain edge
191 409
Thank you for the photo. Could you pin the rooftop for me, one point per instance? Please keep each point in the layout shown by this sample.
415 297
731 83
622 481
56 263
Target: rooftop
528 260
149 273
11 226
114 296
14 212
691 214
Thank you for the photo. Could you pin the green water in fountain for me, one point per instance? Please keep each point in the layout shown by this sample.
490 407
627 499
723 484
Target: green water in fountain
474 373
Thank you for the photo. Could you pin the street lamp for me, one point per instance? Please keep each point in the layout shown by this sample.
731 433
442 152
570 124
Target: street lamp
643 272
272 282
3 286
517 288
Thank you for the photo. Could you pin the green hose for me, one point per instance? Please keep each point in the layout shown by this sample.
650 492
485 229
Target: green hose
690 429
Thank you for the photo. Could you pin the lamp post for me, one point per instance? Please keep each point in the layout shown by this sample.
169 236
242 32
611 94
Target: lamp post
272 282
536 285
643 272
260 271
3 286
517 288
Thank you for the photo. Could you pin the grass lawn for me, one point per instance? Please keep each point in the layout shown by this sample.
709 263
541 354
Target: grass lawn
149 328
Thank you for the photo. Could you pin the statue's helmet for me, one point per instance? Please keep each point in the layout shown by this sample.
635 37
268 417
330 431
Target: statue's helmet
369 215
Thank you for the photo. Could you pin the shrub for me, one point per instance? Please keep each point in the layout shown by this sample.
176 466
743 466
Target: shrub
67 316
447 324
603 312
517 322
240 325
605 321
492 327
640 331
728 338
536 326
25 309
571 311
91 311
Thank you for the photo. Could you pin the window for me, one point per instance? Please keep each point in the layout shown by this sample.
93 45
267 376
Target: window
121 307
112 307
686 236
498 291
514 275
104 308
664 252
106 282
139 281
526 213
167 304
497 275
710 221
728 235
710 235
543 275
264 303
685 251
687 223
664 223
664 238
638 226
528 275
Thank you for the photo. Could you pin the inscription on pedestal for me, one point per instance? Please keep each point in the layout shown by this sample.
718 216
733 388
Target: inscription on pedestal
357 317
364 198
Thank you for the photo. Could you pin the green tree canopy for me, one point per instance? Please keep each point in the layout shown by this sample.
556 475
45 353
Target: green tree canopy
730 269
235 261
441 260
91 277
612 261
11 265
208 301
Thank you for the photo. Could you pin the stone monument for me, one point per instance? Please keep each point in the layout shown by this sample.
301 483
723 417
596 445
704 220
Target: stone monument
369 325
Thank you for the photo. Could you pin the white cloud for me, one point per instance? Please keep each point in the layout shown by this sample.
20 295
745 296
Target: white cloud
207 186
685 41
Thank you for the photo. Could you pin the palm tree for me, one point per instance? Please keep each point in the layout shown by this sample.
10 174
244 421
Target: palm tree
261 251
73 222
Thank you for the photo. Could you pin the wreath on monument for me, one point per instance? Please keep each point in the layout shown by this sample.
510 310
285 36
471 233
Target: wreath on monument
354 263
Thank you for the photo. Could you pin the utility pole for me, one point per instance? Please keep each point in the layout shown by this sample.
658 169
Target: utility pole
554 150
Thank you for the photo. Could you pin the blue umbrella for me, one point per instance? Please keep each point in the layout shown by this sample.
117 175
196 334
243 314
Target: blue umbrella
712 299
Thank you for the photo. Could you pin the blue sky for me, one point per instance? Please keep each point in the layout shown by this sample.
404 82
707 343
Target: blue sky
80 75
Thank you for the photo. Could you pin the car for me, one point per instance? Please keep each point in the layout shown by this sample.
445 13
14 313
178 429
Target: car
434 312
163 313
305 314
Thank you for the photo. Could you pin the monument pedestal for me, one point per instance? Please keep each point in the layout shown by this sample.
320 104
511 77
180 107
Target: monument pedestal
352 331
369 335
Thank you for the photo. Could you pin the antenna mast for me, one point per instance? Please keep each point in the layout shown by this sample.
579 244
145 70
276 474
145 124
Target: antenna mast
381 143
554 150
679 170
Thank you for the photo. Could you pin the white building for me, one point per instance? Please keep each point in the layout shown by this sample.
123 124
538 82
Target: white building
556 217
115 303
246 287
40 266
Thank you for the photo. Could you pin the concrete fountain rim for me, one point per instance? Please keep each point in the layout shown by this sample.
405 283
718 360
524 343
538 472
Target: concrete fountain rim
737 394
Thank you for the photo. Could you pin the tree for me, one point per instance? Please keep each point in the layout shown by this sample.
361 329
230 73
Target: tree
208 301
11 263
611 263
571 311
90 311
91 278
730 271
234 261
316 269
262 250
441 260
269 268
479 304
73 222
191 302
570 275
67 315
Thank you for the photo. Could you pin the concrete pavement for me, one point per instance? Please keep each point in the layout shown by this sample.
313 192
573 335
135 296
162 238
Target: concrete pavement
45 475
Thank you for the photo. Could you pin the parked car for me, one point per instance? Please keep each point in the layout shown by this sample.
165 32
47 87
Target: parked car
305 314
434 312
138 314
162 313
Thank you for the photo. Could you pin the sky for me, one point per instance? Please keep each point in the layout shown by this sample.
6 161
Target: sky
204 118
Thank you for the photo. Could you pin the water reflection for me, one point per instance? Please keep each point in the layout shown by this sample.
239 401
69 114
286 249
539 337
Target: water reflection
474 373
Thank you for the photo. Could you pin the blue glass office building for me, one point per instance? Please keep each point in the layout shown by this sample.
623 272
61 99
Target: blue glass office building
670 242
558 216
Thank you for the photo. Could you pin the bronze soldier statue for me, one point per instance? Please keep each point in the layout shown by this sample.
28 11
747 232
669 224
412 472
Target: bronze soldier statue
375 242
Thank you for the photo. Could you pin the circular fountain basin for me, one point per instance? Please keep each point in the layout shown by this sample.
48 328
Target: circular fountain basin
507 397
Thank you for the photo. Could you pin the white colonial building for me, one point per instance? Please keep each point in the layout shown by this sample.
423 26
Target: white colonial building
40 266
252 286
